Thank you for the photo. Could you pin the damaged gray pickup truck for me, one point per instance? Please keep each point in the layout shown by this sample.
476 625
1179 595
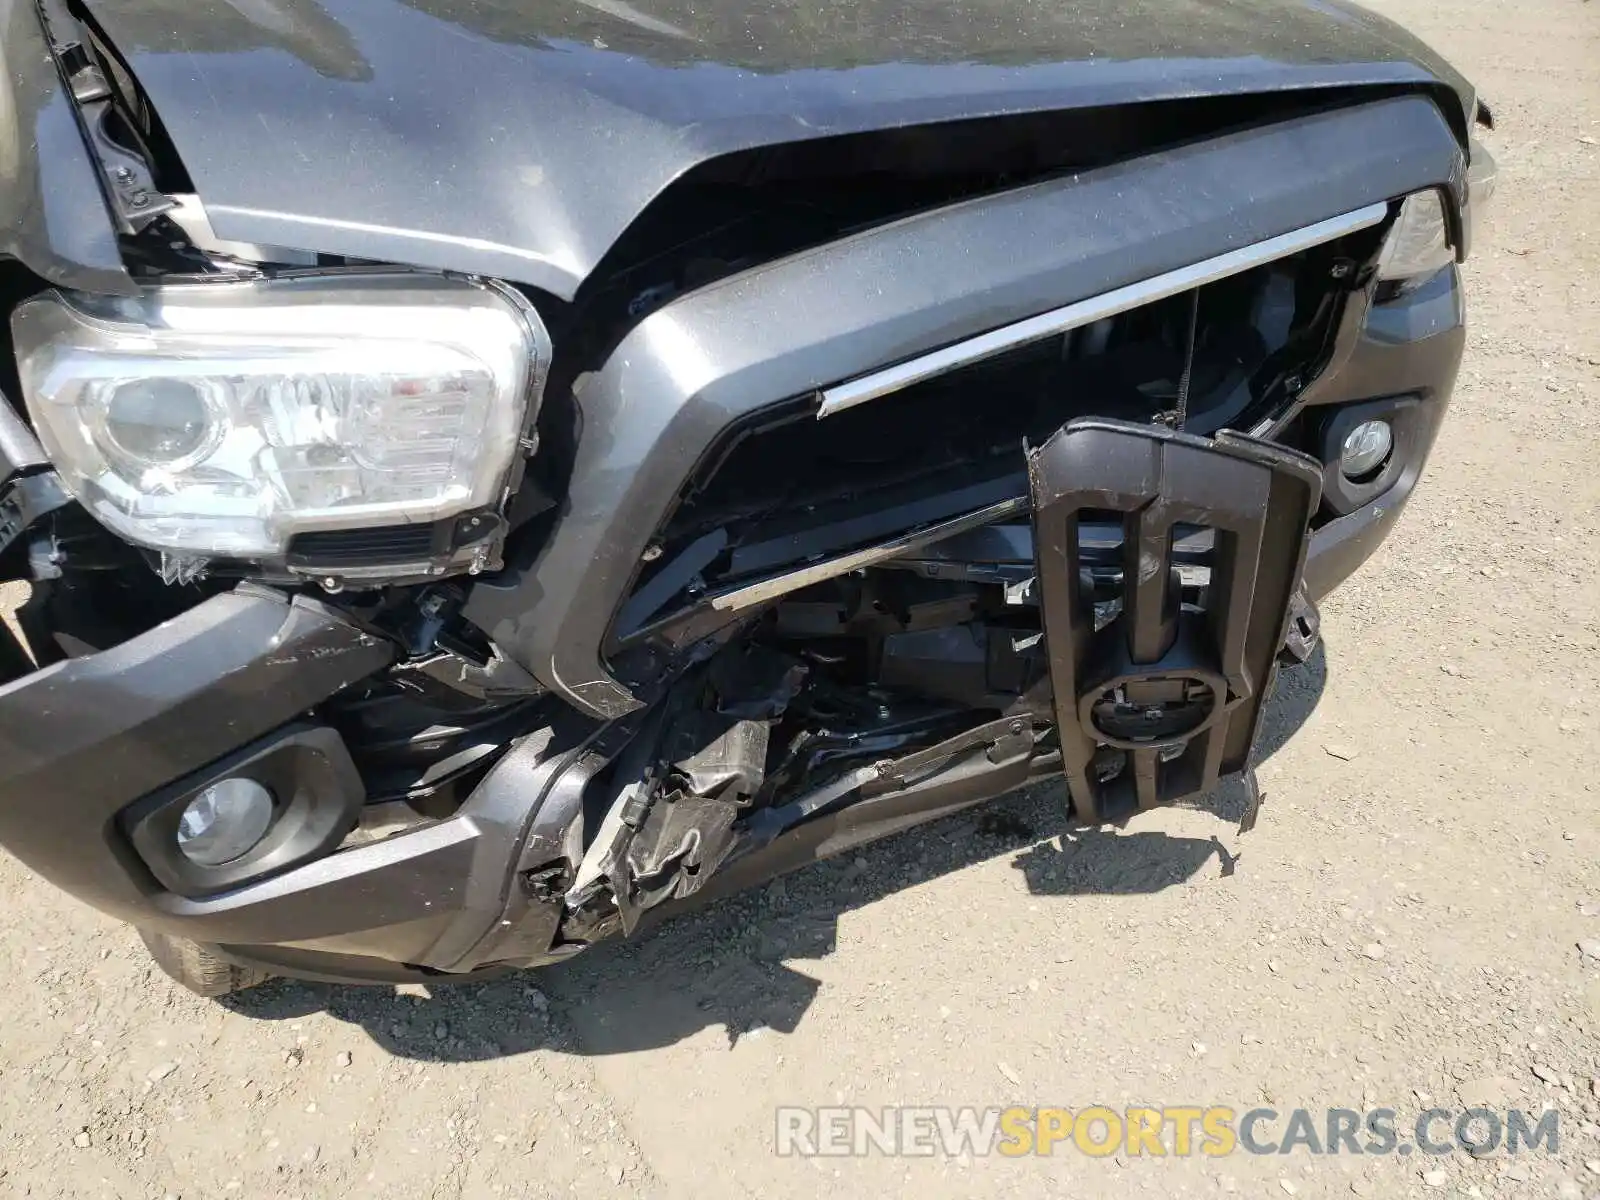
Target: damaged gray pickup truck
490 474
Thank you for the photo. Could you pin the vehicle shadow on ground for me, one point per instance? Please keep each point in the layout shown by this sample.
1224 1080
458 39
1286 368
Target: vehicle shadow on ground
726 964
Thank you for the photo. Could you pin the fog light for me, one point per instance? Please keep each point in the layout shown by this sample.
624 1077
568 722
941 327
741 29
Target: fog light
224 822
1365 450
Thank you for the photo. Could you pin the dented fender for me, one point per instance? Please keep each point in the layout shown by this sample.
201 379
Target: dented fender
53 214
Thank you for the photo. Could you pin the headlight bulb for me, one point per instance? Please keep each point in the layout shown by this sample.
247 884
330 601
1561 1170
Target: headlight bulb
158 422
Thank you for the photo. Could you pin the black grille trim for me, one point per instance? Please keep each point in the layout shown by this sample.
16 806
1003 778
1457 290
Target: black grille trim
361 547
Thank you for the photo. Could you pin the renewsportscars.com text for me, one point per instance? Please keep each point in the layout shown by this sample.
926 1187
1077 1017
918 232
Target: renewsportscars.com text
1179 1130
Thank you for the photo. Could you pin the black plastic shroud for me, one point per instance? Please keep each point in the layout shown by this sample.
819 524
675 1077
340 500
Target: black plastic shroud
1178 688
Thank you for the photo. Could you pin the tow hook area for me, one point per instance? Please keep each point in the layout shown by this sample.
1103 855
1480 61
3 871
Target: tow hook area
1305 630
1160 702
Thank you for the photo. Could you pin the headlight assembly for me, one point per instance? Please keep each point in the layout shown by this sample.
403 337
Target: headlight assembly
226 419
1418 243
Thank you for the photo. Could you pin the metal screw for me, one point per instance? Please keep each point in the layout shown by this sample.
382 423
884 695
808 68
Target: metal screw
332 585
651 553
1340 270
884 767
123 174
138 200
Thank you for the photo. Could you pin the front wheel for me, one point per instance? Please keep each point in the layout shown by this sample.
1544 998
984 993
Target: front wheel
197 968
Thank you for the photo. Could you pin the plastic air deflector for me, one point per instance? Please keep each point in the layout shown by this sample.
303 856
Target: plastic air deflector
1177 689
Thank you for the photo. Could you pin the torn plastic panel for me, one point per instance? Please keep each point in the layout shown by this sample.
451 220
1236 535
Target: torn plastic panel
698 764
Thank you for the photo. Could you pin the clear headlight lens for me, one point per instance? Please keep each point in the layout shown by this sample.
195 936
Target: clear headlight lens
221 419
1419 242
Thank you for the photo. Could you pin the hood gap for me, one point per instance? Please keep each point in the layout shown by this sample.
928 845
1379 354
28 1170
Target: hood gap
135 125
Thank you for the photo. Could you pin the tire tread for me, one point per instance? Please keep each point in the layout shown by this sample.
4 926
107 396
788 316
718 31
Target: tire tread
193 965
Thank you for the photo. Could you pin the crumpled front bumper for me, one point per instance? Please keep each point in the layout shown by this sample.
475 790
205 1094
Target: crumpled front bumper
84 740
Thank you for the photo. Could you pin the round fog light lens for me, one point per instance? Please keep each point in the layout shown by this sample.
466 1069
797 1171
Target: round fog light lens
224 822
1365 450
157 422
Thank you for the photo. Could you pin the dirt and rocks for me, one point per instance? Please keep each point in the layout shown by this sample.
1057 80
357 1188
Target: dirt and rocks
1415 922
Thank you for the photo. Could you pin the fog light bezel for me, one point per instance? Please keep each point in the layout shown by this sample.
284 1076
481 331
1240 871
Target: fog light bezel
1342 495
317 792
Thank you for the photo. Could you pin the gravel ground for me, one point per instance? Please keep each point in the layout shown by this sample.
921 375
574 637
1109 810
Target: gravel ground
1402 929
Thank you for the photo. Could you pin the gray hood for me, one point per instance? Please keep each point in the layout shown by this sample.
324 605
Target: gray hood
519 138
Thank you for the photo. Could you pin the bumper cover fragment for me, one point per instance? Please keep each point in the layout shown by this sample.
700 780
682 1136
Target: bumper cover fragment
1178 690
82 739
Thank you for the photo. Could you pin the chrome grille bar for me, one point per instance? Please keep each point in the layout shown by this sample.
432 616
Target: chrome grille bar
1085 312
